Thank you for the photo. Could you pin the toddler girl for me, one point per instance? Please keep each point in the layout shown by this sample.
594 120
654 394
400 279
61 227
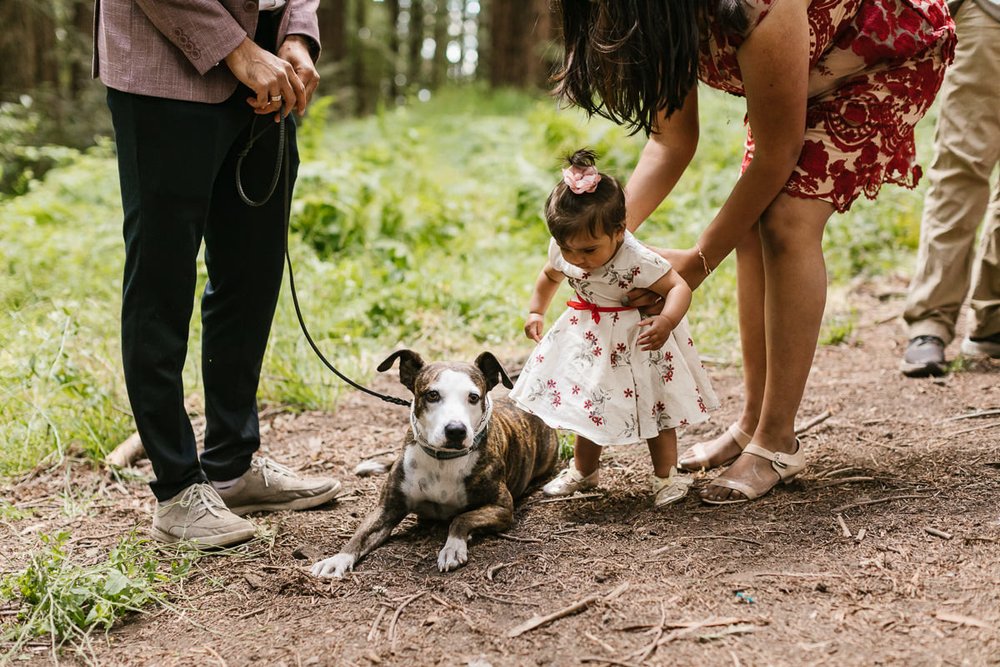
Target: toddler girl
604 370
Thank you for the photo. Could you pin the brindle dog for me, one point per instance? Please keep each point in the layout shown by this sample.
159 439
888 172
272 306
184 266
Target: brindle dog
465 458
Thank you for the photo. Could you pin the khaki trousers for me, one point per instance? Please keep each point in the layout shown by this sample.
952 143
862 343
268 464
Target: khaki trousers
967 150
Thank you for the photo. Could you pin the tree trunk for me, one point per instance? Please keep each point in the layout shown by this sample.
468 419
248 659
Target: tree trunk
393 57
358 76
333 29
83 24
439 65
519 36
27 46
415 44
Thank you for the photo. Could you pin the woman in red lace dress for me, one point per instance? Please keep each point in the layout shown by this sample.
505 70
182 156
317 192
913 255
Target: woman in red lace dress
833 90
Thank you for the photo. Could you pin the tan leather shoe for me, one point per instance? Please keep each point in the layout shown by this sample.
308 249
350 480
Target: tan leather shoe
268 486
699 455
668 490
197 514
786 466
570 480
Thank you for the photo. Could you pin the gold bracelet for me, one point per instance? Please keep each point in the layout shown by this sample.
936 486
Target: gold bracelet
704 262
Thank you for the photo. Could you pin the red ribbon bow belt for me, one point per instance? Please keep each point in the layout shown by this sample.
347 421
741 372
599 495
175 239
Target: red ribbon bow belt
595 310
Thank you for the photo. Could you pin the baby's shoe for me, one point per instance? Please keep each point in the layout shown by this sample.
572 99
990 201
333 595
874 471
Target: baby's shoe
570 480
669 489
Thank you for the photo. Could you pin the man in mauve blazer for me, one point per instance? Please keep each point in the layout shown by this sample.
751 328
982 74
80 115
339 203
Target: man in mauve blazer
188 82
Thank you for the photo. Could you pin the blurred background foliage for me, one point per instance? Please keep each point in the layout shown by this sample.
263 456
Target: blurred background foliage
377 54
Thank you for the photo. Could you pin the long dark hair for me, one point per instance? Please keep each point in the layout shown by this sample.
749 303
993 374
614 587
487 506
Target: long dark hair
627 60
599 212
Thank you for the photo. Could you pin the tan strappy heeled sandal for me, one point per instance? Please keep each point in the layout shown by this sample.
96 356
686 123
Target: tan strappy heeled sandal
697 457
787 466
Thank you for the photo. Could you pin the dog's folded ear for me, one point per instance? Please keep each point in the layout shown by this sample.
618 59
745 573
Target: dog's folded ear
410 364
493 370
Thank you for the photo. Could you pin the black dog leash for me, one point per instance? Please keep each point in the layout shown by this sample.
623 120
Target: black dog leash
281 165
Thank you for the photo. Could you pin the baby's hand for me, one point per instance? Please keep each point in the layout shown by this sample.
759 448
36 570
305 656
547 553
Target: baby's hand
653 338
533 326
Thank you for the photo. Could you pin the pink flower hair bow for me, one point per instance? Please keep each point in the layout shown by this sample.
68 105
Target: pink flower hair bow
581 180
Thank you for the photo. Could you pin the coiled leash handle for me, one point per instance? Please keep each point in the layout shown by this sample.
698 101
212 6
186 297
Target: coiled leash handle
278 162
281 166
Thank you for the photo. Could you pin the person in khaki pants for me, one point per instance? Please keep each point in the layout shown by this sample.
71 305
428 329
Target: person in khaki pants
967 150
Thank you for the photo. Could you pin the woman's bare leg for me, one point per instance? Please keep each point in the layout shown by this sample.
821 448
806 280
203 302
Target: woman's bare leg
794 300
750 303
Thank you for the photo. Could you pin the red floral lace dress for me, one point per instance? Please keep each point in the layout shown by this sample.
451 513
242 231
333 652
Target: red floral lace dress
875 67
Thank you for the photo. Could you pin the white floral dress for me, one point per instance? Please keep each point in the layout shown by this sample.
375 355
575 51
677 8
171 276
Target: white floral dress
588 375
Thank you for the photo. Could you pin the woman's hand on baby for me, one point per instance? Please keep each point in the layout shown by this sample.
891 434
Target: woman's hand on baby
687 263
648 301
653 338
533 326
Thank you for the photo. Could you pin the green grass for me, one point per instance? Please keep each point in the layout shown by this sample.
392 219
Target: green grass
64 601
417 227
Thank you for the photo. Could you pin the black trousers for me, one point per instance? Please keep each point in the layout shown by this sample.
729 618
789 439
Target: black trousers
177 166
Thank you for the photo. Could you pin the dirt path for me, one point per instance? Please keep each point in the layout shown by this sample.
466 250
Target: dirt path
775 582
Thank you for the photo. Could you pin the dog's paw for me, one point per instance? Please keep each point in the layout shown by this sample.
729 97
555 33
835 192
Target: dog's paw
334 567
454 555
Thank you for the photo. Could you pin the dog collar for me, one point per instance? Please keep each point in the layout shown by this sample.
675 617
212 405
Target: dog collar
482 432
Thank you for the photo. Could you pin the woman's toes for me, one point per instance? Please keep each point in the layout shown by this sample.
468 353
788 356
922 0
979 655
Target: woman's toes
713 492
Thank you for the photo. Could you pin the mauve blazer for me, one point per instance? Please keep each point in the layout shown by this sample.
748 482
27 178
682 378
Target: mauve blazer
175 48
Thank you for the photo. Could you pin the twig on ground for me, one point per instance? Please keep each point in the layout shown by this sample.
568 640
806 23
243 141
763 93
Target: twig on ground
575 496
443 602
515 538
691 628
214 654
962 620
937 533
843 480
253 612
644 653
538 621
399 610
603 644
973 415
607 661
815 421
792 574
576 607
373 632
973 429
504 601
838 510
740 629
843 525
734 538
493 569
836 471
382 452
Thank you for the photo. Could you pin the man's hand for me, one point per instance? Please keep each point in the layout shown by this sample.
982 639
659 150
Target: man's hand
295 50
274 80
656 335
533 326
